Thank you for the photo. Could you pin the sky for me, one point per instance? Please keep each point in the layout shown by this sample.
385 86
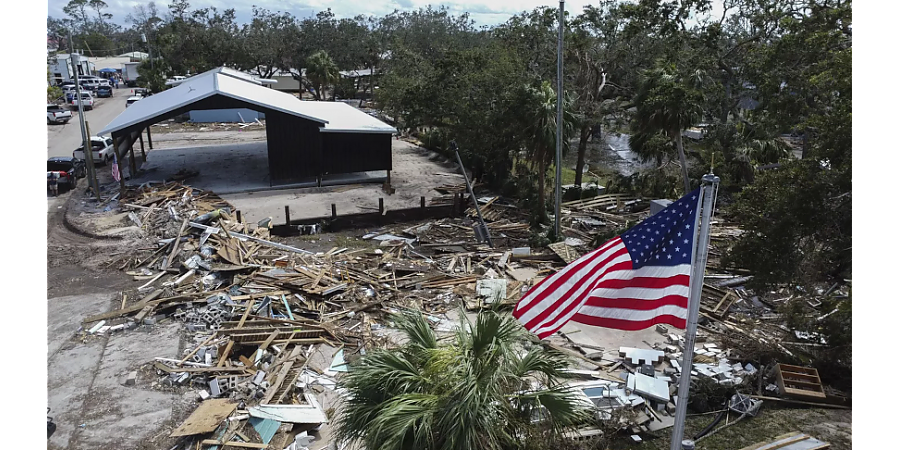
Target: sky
483 12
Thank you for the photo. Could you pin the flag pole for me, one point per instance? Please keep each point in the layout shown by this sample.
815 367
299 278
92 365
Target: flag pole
701 249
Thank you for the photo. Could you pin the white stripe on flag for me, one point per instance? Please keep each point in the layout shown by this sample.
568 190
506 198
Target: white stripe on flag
635 315
642 293
649 272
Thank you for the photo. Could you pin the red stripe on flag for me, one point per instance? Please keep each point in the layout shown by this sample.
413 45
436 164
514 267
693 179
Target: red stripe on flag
637 303
627 325
645 282
566 298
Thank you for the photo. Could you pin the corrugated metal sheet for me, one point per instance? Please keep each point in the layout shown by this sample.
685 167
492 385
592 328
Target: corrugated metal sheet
356 152
265 427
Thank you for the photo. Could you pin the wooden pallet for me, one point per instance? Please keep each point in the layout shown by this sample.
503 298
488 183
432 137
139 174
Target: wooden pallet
799 382
790 441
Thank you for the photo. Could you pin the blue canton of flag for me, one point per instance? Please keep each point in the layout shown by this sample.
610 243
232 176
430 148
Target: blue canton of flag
666 238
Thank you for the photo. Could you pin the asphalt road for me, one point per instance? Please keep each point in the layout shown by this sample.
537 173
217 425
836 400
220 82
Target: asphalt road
62 140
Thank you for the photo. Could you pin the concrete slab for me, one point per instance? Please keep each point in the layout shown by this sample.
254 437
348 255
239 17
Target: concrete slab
413 176
654 388
128 416
64 315
69 375
641 356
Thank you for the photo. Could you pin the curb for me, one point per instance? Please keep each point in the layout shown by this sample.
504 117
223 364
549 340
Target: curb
75 228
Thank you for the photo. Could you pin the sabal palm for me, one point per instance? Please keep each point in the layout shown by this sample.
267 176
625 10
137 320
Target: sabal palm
321 71
541 133
476 392
669 103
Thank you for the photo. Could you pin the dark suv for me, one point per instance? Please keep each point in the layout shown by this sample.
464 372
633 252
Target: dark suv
104 91
69 170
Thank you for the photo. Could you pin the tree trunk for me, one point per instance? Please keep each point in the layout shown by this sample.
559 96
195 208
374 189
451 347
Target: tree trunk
582 149
684 170
542 201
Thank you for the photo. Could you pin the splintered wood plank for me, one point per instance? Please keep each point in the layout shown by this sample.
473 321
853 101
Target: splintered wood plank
206 418
233 444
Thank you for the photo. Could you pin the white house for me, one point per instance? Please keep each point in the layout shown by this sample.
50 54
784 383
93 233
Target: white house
63 69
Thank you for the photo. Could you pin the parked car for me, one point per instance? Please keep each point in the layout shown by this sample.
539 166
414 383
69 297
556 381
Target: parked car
104 90
68 169
57 114
101 149
132 99
87 100
69 92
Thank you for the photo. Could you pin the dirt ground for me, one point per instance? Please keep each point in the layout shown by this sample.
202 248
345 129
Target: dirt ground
90 406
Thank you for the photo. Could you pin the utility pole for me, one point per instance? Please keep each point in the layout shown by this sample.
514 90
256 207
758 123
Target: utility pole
559 117
149 49
86 139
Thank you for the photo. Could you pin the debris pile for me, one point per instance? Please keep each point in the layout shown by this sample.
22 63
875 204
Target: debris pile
272 326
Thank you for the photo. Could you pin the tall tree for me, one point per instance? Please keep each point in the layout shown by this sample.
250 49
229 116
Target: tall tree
669 102
321 72
78 11
483 390
541 129
267 42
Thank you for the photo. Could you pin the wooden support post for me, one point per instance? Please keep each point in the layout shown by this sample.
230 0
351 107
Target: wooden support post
333 211
238 214
149 138
143 152
381 206
133 163
287 215
389 178
422 202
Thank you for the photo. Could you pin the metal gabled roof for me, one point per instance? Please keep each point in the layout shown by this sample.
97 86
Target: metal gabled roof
336 117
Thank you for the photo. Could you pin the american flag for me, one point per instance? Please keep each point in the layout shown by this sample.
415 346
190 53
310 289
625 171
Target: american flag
115 168
631 282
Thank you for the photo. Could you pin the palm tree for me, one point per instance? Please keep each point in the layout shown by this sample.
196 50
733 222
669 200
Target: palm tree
483 390
669 103
321 71
540 132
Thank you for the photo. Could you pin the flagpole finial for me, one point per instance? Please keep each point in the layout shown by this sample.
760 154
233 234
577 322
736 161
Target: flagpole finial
710 179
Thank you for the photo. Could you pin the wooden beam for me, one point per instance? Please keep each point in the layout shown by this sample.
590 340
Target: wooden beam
230 345
143 152
233 444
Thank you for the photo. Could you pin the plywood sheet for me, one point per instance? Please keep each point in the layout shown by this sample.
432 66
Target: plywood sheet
205 418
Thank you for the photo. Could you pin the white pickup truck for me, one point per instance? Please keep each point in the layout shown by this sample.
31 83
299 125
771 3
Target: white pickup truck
57 114
102 150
